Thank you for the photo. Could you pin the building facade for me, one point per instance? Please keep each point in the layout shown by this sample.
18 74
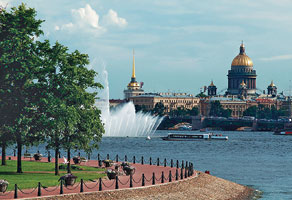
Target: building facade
171 101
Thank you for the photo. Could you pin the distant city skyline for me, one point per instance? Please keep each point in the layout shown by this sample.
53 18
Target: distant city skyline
180 45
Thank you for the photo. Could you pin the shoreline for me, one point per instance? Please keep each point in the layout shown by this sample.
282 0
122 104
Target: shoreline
201 187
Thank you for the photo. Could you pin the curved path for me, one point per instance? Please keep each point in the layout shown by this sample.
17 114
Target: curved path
124 181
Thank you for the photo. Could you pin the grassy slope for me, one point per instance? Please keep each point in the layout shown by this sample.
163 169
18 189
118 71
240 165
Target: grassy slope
35 172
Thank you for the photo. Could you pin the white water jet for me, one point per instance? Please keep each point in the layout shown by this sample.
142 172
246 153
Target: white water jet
124 121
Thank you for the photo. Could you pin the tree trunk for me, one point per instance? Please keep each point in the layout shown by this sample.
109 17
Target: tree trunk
69 158
19 149
57 161
3 153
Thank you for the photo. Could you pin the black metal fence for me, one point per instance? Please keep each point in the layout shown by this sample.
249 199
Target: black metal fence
183 170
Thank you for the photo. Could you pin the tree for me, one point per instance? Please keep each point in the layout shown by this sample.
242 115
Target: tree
17 71
217 110
66 105
251 111
159 109
194 111
141 108
201 94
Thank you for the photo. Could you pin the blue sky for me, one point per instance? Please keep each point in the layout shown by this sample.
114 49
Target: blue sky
180 45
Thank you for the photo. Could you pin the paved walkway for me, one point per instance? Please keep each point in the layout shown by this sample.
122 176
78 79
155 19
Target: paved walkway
124 181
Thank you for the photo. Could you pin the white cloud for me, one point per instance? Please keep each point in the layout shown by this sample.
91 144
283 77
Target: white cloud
274 58
4 3
86 16
112 19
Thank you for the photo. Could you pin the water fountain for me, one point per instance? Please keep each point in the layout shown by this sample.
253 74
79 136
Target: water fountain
124 121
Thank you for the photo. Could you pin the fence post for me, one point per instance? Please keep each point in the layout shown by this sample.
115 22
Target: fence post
182 164
88 156
61 187
164 162
142 160
100 185
79 154
15 192
170 176
150 161
59 154
107 156
186 172
99 163
171 163
181 173
98 156
131 180
177 164
14 152
117 158
187 164
134 159
39 189
117 182
81 185
143 180
49 156
158 162
153 179
162 177
176 174
126 158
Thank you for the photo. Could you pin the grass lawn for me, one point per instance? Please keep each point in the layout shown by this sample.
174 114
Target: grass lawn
35 172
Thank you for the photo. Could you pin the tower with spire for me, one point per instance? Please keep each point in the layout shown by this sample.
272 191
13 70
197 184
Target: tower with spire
134 88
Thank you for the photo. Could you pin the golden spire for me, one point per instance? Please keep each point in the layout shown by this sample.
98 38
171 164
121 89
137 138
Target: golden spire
272 84
133 72
212 84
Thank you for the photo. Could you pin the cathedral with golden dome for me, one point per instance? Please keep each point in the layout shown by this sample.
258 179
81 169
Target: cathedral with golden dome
241 72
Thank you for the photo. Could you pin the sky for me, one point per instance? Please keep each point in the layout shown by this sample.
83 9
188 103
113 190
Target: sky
180 45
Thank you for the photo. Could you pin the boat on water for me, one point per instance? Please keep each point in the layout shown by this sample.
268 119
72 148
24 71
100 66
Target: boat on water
192 137
283 132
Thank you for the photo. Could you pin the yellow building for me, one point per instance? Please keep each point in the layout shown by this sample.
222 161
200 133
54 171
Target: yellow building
171 101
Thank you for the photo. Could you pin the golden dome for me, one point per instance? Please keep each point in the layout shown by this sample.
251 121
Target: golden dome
212 84
242 59
272 84
133 84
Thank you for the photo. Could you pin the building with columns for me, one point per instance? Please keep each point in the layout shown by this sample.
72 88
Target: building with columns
241 71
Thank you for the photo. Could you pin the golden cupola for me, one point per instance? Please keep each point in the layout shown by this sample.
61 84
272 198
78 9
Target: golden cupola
242 60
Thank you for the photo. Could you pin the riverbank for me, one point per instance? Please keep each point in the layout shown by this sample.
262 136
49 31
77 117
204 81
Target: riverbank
202 187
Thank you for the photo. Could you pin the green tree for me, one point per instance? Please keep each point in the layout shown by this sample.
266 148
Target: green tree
201 94
251 111
159 109
194 111
69 117
216 110
18 29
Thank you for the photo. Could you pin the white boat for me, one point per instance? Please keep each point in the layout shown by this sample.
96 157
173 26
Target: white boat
192 137
218 136
148 138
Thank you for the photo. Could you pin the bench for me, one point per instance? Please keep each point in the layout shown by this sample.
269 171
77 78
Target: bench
28 155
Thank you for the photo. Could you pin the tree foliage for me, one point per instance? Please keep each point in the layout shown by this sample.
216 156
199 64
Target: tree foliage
263 112
216 110
45 91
